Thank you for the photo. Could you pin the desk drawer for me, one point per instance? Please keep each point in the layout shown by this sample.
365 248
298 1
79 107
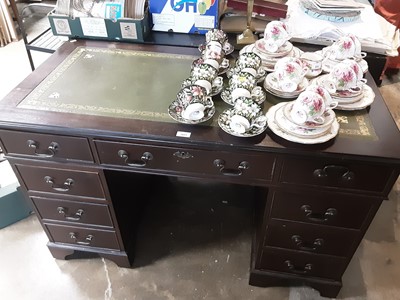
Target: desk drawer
46 145
218 163
310 238
338 174
73 211
333 209
62 181
83 236
303 264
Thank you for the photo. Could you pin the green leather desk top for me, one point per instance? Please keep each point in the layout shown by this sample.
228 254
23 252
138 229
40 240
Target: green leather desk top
137 85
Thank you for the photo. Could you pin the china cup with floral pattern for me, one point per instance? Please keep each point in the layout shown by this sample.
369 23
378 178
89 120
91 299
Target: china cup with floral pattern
216 35
289 73
308 107
204 72
193 101
249 60
246 115
276 34
243 80
344 78
325 94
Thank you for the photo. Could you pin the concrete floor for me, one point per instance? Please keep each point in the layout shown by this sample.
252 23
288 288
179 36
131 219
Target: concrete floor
213 267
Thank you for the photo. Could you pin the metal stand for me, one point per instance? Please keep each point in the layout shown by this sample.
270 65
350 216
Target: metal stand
247 37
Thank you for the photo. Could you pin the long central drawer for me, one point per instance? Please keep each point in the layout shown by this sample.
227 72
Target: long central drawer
184 160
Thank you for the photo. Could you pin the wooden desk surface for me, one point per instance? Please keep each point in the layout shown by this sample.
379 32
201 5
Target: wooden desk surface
385 144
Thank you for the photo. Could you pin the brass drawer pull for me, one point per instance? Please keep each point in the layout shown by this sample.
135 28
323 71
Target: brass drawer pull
50 151
146 157
318 217
220 163
86 242
183 154
301 245
345 174
76 217
307 268
65 187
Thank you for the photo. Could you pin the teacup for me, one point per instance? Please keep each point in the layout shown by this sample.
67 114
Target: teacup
356 68
255 93
308 107
217 83
216 35
276 34
194 101
212 62
249 60
204 72
289 74
214 52
243 80
346 47
344 78
246 115
325 94
314 63
358 54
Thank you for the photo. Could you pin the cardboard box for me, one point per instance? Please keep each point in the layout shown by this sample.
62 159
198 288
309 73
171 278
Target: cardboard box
185 16
124 29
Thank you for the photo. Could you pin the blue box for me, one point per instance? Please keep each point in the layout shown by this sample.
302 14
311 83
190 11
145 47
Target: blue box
13 205
186 16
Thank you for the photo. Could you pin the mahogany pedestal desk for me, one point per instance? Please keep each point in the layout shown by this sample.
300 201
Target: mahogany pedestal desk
72 136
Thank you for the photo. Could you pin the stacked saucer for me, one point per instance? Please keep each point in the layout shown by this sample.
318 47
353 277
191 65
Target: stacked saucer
355 99
282 124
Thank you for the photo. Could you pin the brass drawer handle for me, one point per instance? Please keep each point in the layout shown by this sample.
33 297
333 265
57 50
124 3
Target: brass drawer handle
87 241
344 172
146 157
301 245
220 163
65 187
50 151
307 268
75 217
318 217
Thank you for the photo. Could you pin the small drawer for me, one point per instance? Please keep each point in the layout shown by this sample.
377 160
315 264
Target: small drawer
310 238
336 174
195 161
333 209
304 264
46 146
83 236
73 211
62 181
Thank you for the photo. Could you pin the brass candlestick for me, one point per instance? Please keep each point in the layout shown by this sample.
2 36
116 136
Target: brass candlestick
247 37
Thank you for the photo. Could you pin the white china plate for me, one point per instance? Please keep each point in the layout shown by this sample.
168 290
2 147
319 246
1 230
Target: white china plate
272 124
224 124
329 117
175 110
271 85
365 101
227 97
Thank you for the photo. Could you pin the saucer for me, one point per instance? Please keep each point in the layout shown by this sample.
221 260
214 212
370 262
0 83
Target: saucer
329 63
344 95
299 131
332 131
224 122
175 112
283 50
227 97
329 117
366 100
271 85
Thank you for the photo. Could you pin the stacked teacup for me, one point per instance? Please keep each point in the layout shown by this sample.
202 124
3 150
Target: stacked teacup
288 78
274 45
345 82
310 116
192 105
248 62
245 119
